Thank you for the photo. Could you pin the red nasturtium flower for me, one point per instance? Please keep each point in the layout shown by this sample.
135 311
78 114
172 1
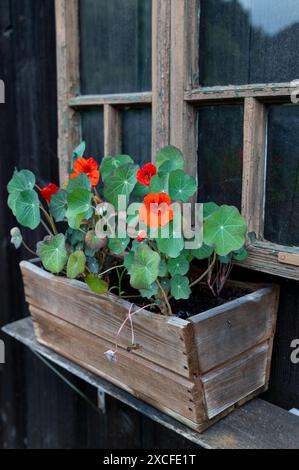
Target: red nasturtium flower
48 191
88 166
141 236
156 211
145 174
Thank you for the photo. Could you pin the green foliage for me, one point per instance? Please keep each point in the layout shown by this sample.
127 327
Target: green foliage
77 153
79 207
169 159
118 245
96 284
178 265
27 209
180 288
58 205
172 245
16 237
143 267
79 182
181 186
76 264
53 253
120 183
203 252
110 164
159 183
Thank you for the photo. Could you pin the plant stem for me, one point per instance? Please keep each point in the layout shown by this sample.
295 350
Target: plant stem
49 219
110 269
210 267
29 249
165 297
46 228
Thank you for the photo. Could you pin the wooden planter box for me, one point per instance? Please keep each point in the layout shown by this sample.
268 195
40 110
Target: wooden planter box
196 371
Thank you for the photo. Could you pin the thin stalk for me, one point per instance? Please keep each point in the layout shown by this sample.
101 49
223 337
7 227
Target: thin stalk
49 219
165 297
110 269
46 228
29 249
210 267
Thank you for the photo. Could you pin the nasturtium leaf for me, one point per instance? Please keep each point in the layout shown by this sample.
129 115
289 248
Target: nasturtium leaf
73 237
169 159
225 229
27 209
225 259
16 237
53 253
181 186
93 242
172 245
209 208
203 252
180 288
79 207
20 181
145 268
163 270
149 293
165 284
96 284
140 190
58 205
241 254
76 264
92 265
178 265
129 261
120 183
118 245
79 182
159 183
77 153
110 164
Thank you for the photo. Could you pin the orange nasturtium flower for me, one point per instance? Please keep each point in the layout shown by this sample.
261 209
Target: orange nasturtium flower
145 174
156 211
88 166
48 191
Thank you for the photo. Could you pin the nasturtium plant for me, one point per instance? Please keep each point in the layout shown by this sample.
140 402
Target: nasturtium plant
141 250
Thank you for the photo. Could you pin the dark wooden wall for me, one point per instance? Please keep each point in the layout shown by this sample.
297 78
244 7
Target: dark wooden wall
37 410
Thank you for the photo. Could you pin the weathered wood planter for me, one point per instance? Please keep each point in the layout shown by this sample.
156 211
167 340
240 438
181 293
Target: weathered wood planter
196 371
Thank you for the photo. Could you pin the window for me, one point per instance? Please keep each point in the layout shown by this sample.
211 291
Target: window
211 77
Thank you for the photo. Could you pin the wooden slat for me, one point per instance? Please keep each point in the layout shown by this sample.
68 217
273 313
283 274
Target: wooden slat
117 99
264 92
184 73
143 379
112 130
254 155
67 41
159 336
225 332
227 385
161 28
288 258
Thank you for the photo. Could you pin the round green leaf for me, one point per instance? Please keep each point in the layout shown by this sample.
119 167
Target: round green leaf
145 267
163 268
159 183
79 182
96 284
180 287
76 264
225 229
79 207
178 265
121 182
241 254
172 245
118 245
203 252
53 253
58 205
140 190
129 261
209 208
16 237
181 186
20 181
110 164
169 159
27 209
149 293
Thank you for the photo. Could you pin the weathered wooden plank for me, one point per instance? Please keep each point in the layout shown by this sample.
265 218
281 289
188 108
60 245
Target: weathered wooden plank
254 155
227 385
67 52
161 28
264 92
117 99
256 425
288 258
184 65
112 130
227 331
160 337
170 392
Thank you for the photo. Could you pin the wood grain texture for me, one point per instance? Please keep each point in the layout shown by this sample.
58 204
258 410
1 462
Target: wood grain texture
227 331
254 155
112 130
184 75
116 99
288 258
67 53
161 36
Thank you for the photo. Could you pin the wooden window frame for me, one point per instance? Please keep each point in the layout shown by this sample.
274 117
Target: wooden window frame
174 99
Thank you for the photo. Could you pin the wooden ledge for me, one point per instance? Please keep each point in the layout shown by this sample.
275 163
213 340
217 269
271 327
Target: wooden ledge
256 425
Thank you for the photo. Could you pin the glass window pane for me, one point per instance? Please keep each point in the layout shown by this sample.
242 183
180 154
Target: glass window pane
282 182
220 154
137 134
115 46
248 41
92 125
